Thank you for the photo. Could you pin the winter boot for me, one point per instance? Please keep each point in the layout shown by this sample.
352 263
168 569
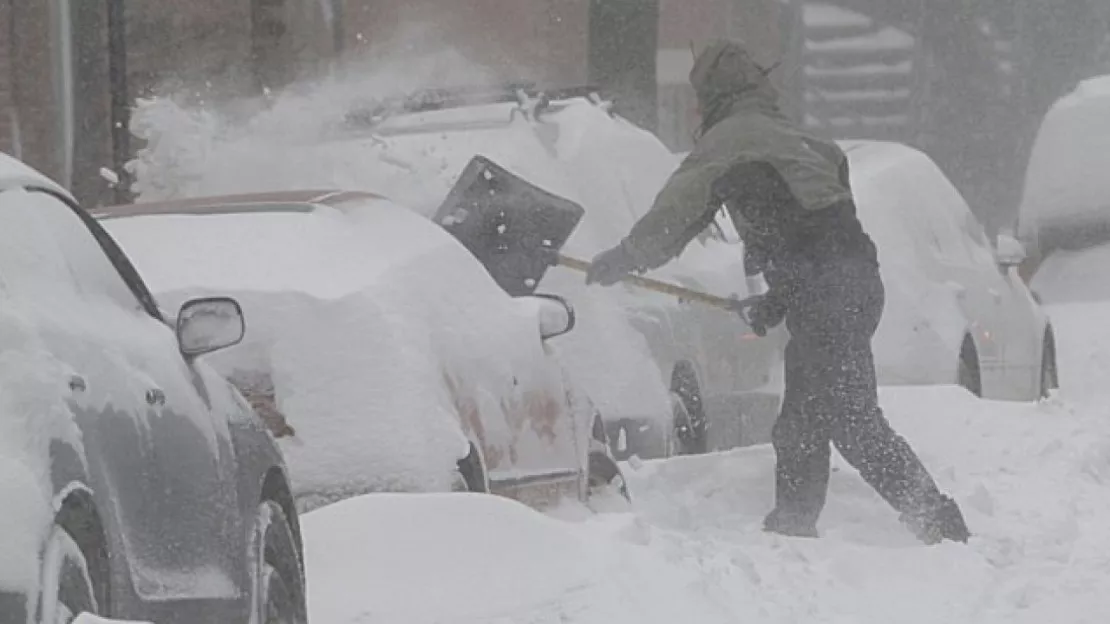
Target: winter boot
944 521
790 524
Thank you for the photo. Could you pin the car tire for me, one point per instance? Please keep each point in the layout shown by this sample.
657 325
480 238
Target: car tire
69 586
471 475
604 475
686 438
278 575
1050 375
684 385
968 372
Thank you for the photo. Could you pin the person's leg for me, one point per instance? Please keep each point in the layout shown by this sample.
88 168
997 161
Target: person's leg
845 312
802 453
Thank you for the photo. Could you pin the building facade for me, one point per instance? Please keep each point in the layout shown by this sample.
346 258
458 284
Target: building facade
70 69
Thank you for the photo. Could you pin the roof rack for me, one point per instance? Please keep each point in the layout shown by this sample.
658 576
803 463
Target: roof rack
524 94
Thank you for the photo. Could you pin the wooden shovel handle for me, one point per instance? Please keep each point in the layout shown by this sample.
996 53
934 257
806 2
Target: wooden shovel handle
732 305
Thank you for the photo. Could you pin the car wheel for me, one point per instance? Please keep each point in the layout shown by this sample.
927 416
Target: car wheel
68 586
684 385
471 476
279 586
1050 375
686 437
606 476
968 373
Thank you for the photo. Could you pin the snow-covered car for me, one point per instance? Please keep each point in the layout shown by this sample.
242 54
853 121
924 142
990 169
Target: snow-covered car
383 354
1065 204
137 483
657 368
957 311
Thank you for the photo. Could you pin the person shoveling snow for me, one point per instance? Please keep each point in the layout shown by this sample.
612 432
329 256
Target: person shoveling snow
790 194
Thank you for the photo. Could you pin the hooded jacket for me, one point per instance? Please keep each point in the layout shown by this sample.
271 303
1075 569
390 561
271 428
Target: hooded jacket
788 192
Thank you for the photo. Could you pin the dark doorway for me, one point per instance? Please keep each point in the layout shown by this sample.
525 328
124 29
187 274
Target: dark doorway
90 101
269 43
623 44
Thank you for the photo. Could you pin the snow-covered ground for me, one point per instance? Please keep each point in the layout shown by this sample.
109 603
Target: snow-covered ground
1034 482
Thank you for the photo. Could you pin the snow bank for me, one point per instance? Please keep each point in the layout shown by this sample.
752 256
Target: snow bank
1031 479
474 558
1066 177
371 322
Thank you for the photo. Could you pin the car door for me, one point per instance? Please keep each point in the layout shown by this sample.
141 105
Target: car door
978 293
177 501
38 286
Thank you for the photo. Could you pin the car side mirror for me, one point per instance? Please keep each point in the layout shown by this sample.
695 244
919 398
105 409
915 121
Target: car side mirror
1009 252
556 315
209 324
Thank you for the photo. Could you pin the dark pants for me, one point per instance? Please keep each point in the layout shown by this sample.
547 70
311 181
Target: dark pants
831 396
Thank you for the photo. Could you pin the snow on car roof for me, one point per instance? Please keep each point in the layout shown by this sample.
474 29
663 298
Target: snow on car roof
315 249
277 201
1066 177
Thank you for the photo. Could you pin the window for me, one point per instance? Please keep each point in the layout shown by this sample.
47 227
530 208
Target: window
48 243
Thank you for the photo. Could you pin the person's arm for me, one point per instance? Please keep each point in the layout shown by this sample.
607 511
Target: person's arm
682 210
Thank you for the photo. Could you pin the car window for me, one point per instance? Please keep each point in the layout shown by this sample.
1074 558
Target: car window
982 252
51 240
31 261
941 206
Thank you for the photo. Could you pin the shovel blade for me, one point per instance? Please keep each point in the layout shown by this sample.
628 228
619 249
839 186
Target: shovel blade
513 227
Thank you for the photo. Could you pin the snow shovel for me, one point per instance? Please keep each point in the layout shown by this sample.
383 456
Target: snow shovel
516 230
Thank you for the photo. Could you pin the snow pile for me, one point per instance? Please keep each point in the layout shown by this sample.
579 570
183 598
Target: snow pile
1032 480
475 558
1066 178
376 328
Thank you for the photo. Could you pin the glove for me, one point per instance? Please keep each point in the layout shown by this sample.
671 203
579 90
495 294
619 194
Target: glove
610 266
762 313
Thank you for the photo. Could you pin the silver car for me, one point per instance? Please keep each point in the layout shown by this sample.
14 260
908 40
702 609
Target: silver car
137 483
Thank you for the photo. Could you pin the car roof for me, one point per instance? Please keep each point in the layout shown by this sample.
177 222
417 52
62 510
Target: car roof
14 173
304 200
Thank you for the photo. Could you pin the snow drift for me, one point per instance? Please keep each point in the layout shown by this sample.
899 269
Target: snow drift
1032 480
